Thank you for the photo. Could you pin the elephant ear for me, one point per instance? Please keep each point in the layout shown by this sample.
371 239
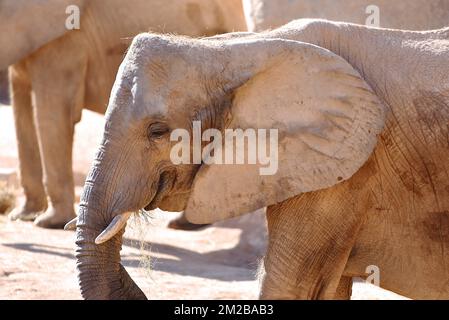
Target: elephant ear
327 119
27 25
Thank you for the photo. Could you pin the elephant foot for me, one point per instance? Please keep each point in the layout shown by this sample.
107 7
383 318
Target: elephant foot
181 223
26 212
54 218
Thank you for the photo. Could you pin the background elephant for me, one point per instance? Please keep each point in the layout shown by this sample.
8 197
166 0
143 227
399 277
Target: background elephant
58 72
400 14
363 172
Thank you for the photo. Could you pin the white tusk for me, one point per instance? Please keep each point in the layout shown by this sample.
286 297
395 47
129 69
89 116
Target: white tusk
117 224
71 225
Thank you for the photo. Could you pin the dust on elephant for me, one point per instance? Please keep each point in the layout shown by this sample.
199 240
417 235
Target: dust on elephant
398 14
361 115
57 72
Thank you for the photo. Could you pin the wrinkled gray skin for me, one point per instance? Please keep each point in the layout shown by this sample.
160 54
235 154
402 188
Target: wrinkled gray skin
391 213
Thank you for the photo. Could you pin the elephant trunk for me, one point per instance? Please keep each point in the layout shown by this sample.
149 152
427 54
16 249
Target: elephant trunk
100 273
101 276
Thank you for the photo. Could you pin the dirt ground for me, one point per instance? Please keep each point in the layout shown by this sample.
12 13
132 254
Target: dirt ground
219 262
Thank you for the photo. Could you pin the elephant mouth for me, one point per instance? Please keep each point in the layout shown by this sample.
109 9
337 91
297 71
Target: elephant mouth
165 184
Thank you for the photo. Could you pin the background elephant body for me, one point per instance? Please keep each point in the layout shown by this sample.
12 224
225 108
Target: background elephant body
362 177
75 70
409 15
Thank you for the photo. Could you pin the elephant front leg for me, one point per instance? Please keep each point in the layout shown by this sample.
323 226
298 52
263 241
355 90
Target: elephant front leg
28 148
310 239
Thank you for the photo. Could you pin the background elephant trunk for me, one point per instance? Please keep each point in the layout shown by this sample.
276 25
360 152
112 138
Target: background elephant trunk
100 273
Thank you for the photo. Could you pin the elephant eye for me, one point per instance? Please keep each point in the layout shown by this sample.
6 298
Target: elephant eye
157 130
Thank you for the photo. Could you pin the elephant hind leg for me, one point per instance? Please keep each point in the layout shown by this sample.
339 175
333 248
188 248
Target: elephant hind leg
30 167
344 289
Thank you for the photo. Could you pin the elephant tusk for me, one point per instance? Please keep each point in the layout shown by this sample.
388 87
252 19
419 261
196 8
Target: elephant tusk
115 226
71 225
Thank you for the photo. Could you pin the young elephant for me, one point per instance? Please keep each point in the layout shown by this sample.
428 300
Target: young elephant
399 14
362 178
65 71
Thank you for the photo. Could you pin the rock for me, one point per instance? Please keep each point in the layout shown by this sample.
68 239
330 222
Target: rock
9 177
7 198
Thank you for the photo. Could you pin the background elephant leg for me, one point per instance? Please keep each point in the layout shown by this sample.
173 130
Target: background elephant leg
56 130
28 148
310 239
58 88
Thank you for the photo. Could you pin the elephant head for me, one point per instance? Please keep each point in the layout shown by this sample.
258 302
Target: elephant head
326 116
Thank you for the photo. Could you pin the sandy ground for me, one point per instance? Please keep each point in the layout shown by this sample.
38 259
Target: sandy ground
219 262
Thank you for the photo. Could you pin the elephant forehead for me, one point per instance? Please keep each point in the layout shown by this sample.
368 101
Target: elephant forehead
147 101
133 98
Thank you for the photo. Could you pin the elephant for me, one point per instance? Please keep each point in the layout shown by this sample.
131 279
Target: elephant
361 116
399 14
57 70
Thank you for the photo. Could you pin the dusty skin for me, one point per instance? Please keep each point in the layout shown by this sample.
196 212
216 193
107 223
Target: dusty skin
362 115
39 264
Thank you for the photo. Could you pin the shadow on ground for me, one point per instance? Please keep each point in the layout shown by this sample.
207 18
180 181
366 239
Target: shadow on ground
190 263
186 262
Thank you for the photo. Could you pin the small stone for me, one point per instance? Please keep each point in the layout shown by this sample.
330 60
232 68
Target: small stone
7 198
9 176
